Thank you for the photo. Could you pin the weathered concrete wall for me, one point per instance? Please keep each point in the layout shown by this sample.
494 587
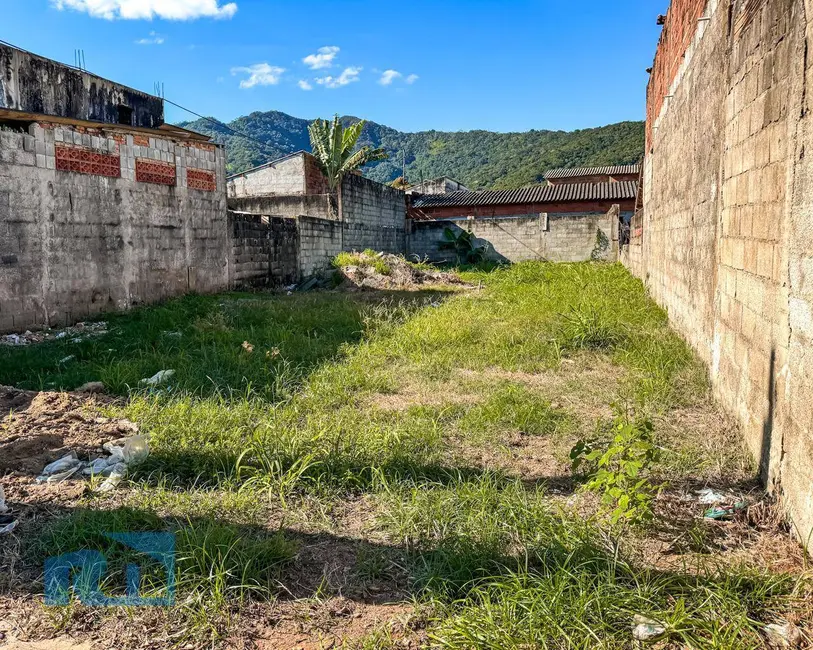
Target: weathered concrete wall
80 234
314 205
727 238
373 215
553 237
34 84
284 177
442 185
264 251
319 242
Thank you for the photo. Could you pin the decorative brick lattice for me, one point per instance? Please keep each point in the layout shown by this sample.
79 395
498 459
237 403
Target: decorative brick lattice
199 179
152 171
86 161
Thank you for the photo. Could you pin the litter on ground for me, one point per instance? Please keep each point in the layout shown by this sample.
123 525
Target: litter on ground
158 378
77 333
645 629
123 454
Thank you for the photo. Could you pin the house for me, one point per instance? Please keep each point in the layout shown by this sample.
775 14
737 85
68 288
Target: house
613 174
102 204
363 214
568 222
442 185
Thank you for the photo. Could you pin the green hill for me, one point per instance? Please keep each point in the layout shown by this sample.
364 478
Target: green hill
479 159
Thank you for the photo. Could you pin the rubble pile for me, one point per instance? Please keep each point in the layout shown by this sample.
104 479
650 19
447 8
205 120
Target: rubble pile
385 271
75 334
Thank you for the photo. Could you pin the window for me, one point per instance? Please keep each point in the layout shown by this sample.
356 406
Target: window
125 115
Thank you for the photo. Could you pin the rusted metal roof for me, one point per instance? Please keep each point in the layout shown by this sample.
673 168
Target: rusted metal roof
593 171
574 192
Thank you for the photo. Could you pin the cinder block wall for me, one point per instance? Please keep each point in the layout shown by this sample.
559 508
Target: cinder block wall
373 215
73 245
727 239
553 237
264 251
285 177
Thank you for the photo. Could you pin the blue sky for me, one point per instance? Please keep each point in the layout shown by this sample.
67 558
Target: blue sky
501 65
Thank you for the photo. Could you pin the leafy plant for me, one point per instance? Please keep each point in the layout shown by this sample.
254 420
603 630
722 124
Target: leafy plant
464 246
334 148
620 469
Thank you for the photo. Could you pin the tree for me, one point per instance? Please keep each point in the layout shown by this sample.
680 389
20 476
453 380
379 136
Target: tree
333 146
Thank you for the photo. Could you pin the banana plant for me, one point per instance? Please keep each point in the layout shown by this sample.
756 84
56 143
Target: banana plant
463 243
333 147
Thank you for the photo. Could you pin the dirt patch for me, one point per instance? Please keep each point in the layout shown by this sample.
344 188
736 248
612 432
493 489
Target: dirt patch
335 623
38 428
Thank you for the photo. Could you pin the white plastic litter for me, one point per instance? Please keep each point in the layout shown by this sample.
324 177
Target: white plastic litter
158 378
67 359
7 528
710 498
117 473
783 636
63 464
123 454
645 629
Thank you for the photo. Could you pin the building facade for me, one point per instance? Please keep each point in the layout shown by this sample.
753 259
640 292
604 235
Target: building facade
102 205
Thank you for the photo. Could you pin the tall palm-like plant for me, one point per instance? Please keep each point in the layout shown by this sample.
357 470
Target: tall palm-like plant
333 146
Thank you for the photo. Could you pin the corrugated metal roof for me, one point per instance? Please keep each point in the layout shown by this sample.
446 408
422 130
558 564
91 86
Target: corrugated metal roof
593 171
537 194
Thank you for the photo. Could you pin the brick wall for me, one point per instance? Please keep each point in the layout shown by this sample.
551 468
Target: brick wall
727 239
553 237
264 251
80 236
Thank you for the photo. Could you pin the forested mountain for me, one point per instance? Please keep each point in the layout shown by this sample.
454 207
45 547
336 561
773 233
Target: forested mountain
479 159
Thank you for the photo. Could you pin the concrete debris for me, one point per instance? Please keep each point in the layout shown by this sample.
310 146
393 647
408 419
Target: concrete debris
783 636
77 334
645 629
123 454
158 378
385 271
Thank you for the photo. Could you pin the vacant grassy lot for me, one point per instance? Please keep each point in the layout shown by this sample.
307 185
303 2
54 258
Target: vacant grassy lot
374 470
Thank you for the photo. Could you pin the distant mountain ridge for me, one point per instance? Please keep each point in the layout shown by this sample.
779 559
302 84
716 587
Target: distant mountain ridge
478 159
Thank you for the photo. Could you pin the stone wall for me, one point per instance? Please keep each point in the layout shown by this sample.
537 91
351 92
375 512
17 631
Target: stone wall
264 251
553 237
727 232
100 220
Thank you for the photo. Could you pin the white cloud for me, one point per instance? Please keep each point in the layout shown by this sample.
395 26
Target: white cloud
304 85
411 79
389 76
153 39
259 74
348 76
322 59
149 9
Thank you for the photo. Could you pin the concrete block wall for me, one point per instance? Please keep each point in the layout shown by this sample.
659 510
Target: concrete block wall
74 245
554 237
727 241
264 251
373 215
320 240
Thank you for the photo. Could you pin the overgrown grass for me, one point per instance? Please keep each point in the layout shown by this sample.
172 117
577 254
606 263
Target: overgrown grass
368 258
295 417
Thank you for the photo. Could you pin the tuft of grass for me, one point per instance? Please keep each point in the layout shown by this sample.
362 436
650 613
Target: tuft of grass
368 258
